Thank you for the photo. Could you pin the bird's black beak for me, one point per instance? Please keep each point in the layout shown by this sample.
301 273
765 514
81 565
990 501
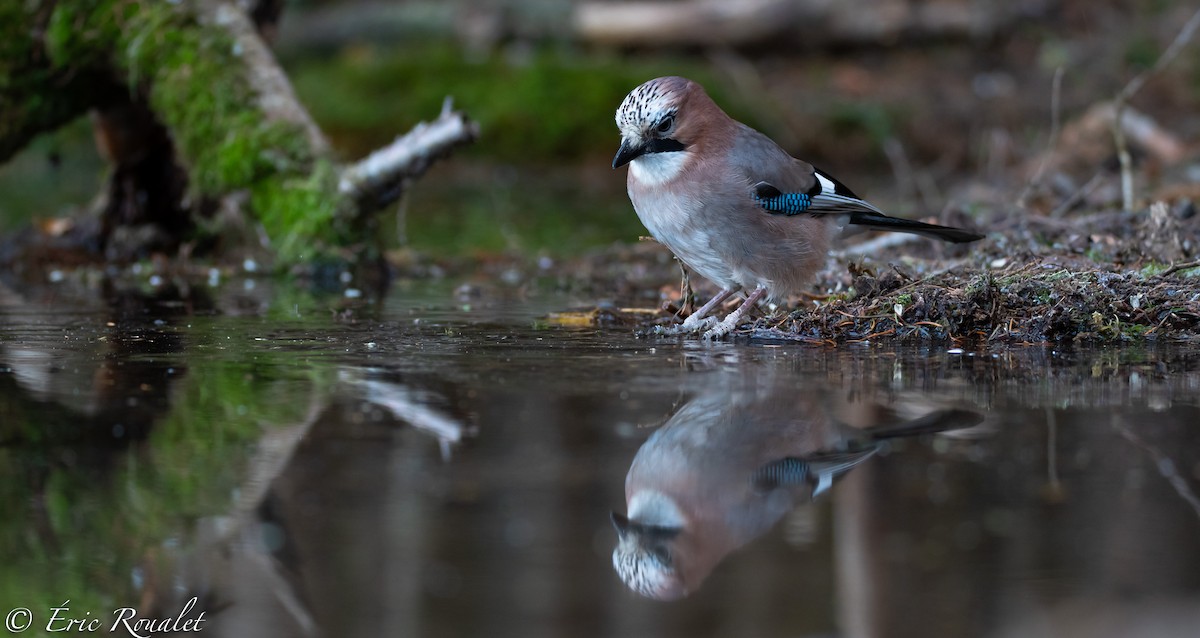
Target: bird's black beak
619 520
627 153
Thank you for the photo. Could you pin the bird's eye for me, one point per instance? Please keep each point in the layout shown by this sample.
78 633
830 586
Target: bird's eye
666 124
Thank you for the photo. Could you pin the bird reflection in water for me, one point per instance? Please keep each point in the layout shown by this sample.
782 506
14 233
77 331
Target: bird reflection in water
731 463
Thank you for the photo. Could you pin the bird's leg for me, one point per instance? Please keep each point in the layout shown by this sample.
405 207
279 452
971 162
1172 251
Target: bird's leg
697 321
687 298
732 319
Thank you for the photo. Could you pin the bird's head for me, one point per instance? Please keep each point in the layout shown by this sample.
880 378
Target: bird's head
660 121
645 559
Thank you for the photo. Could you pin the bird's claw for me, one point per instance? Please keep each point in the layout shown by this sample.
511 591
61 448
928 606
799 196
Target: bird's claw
720 330
687 327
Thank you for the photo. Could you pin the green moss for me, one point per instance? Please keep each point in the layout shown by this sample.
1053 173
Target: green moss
66 43
219 130
1134 330
1153 268
36 95
209 110
300 214
1059 275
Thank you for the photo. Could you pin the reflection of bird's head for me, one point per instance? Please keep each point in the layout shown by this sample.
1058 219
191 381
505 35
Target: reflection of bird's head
644 559
652 553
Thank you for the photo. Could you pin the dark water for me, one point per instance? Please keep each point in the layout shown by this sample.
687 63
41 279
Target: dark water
446 465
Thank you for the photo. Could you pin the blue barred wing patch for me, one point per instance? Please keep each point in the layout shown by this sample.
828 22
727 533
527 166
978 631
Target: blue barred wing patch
785 203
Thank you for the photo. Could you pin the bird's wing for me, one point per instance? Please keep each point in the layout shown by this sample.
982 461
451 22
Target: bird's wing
783 185
818 470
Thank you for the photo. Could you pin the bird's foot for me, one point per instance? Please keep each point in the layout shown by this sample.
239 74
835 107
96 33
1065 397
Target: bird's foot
722 329
689 326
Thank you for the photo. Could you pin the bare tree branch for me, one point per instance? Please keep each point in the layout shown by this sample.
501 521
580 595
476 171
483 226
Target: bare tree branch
1181 40
1051 140
381 175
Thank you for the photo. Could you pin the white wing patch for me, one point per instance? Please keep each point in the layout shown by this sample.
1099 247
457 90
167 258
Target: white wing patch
827 185
829 201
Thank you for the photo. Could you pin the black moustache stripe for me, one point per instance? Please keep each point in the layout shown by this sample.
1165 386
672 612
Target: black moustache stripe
664 145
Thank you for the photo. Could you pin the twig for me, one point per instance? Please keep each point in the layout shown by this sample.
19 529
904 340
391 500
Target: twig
1131 89
1178 267
874 246
901 169
1052 452
1078 195
929 277
1166 466
1051 141
377 180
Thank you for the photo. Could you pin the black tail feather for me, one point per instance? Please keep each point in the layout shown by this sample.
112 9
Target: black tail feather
932 423
878 221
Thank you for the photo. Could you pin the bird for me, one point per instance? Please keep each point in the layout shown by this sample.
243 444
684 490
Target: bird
731 463
732 204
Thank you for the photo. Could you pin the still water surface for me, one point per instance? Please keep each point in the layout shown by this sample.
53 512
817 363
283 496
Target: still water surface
434 464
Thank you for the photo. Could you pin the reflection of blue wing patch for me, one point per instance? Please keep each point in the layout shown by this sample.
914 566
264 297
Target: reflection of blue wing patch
788 471
819 470
779 203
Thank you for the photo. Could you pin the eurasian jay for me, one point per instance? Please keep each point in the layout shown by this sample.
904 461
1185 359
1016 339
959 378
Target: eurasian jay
730 203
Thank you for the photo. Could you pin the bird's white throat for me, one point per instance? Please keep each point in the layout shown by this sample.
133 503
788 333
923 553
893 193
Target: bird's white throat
653 169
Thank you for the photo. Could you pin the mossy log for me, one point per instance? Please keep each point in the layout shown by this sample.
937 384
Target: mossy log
191 85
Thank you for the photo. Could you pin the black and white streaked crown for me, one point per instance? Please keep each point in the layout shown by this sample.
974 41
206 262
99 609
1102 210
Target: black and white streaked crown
649 103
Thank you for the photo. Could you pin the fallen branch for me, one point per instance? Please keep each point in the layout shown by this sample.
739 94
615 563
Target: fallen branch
195 114
483 26
379 178
706 22
709 23
273 91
